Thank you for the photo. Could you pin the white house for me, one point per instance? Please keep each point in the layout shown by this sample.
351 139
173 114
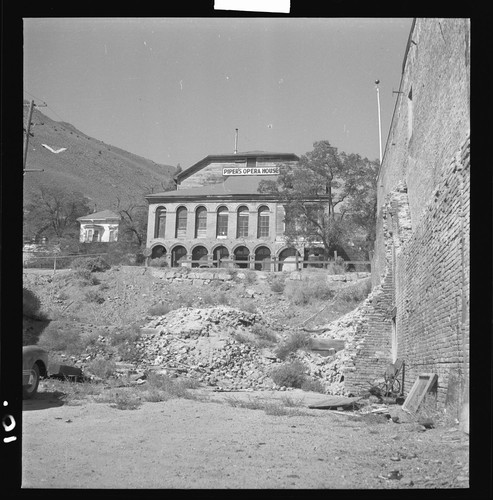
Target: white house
99 227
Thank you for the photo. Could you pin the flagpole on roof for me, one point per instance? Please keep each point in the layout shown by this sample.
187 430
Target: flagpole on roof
379 122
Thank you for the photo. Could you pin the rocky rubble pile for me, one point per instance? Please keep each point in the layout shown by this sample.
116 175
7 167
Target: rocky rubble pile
330 370
200 343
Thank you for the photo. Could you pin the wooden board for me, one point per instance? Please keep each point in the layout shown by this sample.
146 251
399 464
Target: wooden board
335 402
421 387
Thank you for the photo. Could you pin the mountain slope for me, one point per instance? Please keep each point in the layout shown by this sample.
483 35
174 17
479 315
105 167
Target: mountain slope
101 172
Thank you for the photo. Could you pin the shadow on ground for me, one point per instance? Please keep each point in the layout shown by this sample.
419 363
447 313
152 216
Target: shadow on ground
43 400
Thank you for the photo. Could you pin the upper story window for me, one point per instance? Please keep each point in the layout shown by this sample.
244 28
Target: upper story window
201 222
181 222
222 222
242 224
263 222
160 226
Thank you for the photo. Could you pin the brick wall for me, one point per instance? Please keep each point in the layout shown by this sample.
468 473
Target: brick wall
422 243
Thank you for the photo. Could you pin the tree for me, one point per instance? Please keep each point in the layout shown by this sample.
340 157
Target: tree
328 197
53 212
133 225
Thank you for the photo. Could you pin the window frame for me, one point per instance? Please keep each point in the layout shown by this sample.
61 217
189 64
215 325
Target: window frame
222 212
181 222
263 228
242 213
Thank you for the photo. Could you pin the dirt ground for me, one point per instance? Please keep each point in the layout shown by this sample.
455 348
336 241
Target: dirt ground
207 441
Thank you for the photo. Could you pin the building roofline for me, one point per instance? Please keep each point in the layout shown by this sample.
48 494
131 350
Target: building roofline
232 157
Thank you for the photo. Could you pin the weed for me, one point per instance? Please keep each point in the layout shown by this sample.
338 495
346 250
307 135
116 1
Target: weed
85 277
241 337
301 293
94 296
313 386
177 388
92 264
123 400
278 284
104 286
250 277
61 336
356 292
290 374
159 262
290 402
297 340
159 310
128 334
248 306
264 336
101 367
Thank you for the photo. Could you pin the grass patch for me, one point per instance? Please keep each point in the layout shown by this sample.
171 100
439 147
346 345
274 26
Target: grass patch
101 367
304 292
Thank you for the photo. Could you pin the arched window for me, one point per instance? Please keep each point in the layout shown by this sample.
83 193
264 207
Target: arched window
201 222
181 222
160 226
222 222
263 222
242 225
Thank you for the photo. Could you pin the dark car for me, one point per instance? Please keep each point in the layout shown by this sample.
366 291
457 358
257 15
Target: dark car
34 366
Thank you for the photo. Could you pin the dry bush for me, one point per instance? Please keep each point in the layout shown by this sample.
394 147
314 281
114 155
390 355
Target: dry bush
356 292
264 337
277 284
313 385
101 367
92 264
94 296
31 306
292 374
159 310
159 262
297 340
304 292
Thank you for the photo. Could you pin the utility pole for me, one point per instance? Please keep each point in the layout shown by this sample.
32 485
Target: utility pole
26 142
379 122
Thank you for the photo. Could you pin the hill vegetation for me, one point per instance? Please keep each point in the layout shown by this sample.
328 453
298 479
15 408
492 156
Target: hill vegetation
104 174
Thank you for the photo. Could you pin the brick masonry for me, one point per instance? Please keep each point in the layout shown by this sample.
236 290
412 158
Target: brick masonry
419 307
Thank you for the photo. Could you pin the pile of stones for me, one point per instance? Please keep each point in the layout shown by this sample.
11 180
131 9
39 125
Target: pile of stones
201 344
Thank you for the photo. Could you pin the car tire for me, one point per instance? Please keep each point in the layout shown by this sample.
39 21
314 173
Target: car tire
30 390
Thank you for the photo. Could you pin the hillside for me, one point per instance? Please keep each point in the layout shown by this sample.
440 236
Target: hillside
100 171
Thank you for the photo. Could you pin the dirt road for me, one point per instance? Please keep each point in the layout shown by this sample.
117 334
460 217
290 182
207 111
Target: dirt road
208 443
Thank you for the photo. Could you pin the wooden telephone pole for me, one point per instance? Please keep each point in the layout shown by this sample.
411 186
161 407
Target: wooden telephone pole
26 142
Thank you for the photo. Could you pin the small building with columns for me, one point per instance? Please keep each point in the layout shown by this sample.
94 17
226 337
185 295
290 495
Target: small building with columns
217 214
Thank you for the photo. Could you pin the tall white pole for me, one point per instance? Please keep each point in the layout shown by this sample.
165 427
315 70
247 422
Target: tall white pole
379 122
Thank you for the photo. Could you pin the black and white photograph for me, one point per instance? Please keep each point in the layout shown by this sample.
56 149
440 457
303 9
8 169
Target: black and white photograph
245 253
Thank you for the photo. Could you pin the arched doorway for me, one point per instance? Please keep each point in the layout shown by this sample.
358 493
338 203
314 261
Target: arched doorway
287 259
262 254
177 254
220 252
242 257
158 251
199 253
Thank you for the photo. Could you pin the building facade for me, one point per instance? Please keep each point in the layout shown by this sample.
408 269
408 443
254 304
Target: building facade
217 214
99 227
420 269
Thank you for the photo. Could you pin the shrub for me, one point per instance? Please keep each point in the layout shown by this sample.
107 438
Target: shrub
92 264
31 305
297 340
128 334
265 336
250 277
301 293
290 374
159 262
177 388
312 385
85 277
277 284
159 309
101 367
61 336
356 292
94 296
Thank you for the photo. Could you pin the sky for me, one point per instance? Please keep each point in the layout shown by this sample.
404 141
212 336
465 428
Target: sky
173 90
